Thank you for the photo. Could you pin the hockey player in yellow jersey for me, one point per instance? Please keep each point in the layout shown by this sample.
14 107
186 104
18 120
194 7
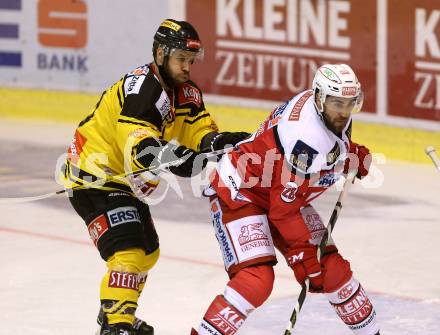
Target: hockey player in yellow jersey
153 115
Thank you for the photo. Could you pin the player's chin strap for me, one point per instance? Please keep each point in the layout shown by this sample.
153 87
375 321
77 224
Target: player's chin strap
331 225
122 176
430 151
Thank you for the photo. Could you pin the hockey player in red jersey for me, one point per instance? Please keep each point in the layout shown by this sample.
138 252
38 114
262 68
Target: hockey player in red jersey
260 200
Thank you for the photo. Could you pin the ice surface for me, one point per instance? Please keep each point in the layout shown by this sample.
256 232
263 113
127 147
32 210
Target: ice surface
50 272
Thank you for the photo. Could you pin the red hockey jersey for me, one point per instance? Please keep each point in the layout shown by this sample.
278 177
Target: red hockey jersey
289 161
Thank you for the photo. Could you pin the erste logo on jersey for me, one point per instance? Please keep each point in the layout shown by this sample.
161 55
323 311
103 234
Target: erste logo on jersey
189 94
123 215
289 193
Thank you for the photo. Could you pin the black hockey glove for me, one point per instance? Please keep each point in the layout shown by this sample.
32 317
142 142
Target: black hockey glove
193 162
221 140
185 162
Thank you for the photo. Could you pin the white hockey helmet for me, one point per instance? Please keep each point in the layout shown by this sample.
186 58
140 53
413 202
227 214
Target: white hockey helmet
336 80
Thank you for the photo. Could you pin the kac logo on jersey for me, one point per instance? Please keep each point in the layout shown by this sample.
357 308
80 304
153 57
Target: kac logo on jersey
123 215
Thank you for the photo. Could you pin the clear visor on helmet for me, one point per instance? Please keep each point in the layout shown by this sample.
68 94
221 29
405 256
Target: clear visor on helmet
359 102
355 103
186 55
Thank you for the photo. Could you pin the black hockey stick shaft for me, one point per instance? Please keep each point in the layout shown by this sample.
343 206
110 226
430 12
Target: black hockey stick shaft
331 225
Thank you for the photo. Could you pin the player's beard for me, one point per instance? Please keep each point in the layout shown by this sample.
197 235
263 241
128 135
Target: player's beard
168 78
336 126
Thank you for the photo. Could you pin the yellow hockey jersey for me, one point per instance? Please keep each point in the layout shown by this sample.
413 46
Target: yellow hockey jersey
132 109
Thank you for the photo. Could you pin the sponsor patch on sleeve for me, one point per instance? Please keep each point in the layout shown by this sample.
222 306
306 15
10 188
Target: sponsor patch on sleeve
133 84
76 147
141 70
275 116
296 110
163 105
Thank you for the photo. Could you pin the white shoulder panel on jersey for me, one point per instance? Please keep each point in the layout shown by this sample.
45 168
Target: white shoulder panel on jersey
163 104
135 79
309 146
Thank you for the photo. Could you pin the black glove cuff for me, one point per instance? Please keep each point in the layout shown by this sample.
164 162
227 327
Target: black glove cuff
215 141
153 151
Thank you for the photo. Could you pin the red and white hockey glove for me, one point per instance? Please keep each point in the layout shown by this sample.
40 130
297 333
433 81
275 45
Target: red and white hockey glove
302 258
362 164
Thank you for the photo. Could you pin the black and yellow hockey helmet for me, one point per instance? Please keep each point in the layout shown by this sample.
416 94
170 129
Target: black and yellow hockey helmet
178 35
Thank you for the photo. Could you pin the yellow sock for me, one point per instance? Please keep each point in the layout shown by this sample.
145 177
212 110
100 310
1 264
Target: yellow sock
123 283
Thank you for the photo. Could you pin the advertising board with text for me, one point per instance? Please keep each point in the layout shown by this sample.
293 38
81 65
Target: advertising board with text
269 50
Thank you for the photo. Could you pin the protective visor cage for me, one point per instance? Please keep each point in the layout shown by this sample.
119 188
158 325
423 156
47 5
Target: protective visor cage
175 35
337 80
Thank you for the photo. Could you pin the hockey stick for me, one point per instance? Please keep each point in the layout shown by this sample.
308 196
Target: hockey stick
322 245
121 176
430 151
